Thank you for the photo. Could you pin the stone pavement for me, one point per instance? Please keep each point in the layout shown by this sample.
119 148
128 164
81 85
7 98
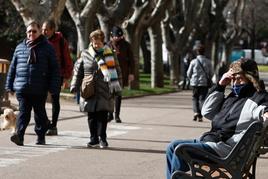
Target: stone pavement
137 146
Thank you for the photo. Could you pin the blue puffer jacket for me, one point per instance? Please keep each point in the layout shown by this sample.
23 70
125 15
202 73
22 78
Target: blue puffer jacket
37 78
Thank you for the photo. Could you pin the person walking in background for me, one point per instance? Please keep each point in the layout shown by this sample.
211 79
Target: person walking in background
99 61
126 61
33 73
186 62
199 73
61 47
230 115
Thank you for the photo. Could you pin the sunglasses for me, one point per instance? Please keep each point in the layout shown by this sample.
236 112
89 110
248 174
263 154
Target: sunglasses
32 31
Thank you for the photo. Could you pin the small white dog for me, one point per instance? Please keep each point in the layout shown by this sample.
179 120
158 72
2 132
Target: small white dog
8 119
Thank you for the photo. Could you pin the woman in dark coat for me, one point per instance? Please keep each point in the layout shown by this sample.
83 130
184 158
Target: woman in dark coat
98 60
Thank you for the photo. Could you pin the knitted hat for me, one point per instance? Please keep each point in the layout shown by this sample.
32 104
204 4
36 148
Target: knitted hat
116 31
249 68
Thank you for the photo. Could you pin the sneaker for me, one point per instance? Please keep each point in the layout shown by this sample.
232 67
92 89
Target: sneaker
92 143
16 139
40 141
52 131
117 119
103 144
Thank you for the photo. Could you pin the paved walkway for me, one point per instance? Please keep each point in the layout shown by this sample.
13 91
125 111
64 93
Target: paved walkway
137 146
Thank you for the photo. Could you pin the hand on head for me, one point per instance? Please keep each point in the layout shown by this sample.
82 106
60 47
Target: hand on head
226 78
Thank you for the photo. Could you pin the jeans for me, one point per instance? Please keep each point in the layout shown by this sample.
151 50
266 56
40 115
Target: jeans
26 103
175 162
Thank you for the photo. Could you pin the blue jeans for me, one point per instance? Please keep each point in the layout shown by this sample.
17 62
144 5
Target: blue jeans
175 162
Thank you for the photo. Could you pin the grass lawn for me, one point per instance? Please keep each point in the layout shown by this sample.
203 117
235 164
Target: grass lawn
263 68
145 87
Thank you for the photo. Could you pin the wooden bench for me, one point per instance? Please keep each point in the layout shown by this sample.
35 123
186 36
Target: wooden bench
240 163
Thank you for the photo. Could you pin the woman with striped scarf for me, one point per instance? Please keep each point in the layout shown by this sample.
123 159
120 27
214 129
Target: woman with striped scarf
99 60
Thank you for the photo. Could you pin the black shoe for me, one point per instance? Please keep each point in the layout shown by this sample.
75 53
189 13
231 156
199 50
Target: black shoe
16 139
117 119
52 131
93 143
200 119
110 117
195 118
40 141
103 144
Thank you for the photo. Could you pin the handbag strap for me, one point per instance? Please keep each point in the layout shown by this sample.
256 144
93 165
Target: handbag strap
203 69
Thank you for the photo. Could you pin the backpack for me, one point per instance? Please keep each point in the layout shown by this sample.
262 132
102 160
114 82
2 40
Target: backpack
87 89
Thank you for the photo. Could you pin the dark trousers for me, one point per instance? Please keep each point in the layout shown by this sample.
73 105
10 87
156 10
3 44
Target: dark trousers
26 103
118 100
55 109
117 106
97 122
199 96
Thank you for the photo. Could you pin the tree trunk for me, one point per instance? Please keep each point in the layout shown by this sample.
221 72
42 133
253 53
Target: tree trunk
134 38
146 55
157 73
174 66
84 19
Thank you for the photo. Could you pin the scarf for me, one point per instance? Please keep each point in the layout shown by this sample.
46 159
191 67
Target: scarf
106 63
31 44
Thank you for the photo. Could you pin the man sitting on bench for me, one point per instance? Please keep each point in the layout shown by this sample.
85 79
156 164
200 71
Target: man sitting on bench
230 115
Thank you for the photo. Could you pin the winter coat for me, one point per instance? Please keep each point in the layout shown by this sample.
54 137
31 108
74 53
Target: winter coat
37 78
63 54
102 100
125 58
232 115
195 72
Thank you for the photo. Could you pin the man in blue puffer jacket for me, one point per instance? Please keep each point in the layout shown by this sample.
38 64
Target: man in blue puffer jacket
32 73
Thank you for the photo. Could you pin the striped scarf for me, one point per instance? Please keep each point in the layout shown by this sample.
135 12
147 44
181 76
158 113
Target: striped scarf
106 63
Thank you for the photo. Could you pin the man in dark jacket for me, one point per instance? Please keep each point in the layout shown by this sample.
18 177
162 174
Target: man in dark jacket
126 61
65 63
230 116
32 73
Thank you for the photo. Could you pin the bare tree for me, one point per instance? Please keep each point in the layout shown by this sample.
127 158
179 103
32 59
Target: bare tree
234 13
178 29
32 10
157 68
112 13
83 14
145 14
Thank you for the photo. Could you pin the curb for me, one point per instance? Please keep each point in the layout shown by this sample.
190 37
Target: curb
71 97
